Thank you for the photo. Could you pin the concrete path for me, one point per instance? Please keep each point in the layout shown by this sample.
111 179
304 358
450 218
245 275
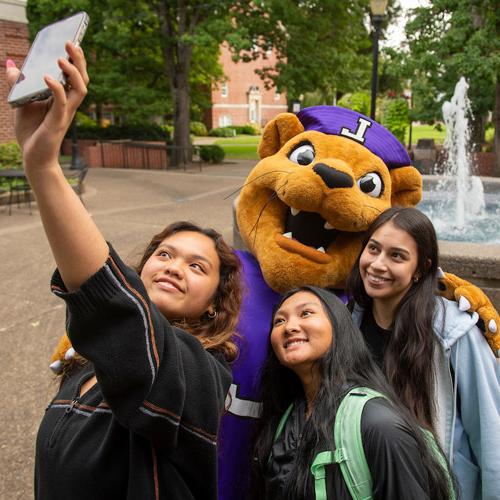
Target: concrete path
129 206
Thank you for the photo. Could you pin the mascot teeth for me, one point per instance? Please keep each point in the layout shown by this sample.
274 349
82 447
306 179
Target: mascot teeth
288 235
321 249
294 211
328 226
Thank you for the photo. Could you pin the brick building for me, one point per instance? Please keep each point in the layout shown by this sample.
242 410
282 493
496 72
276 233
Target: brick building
14 44
242 98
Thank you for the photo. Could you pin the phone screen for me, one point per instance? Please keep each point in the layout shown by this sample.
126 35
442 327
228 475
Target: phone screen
42 58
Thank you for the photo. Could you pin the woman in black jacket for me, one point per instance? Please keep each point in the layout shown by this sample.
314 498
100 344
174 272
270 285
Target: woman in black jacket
138 416
318 355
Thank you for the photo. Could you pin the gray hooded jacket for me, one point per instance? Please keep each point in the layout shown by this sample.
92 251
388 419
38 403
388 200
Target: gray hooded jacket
467 401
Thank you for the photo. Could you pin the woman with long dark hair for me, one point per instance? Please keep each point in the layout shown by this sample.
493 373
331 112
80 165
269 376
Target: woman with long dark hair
318 356
433 355
138 416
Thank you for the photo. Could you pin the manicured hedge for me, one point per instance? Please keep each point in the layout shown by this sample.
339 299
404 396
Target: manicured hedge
212 154
144 132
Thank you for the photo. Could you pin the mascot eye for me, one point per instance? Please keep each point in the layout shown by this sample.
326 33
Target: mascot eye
371 184
303 155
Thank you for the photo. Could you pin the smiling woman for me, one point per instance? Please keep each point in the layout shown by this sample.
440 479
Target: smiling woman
318 359
433 354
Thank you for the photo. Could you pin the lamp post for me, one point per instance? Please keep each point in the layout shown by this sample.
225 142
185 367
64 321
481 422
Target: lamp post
377 8
76 161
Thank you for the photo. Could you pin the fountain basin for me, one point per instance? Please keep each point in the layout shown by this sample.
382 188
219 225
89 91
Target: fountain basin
477 262
439 200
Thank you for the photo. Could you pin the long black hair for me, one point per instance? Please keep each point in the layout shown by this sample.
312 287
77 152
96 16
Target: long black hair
412 345
346 364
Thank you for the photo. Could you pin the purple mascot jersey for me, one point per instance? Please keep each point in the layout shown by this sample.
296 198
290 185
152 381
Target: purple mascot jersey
235 445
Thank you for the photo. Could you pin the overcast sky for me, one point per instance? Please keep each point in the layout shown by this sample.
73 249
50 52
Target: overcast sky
396 31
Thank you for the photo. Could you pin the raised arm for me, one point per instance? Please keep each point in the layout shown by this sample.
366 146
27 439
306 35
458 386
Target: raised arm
78 247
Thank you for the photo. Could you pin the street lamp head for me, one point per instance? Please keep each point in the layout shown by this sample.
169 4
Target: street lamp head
378 7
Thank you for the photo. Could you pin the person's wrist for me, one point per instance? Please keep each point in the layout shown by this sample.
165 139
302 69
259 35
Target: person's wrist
41 170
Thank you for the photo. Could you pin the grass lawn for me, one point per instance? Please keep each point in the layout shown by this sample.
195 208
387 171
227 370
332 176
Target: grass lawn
241 147
425 132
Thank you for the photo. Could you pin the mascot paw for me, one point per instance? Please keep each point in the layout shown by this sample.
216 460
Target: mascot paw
64 352
472 299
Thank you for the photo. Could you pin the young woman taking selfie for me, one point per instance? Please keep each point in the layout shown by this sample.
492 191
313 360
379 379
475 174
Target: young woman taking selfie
434 356
138 415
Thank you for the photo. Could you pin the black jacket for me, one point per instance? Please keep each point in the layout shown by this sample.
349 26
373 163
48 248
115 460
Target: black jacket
391 453
148 429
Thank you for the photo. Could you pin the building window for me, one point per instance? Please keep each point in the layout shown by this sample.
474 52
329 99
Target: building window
277 94
224 90
225 121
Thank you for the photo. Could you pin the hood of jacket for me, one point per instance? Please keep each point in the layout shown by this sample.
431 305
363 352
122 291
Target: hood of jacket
450 324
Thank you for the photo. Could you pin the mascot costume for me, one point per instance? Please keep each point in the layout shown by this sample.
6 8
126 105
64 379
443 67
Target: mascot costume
324 175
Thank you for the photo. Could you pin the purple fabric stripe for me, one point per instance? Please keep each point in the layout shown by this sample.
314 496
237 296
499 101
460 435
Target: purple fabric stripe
332 119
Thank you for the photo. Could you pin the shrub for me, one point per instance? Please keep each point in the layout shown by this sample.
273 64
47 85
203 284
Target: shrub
10 155
222 132
212 154
248 129
139 132
198 128
83 120
395 117
359 101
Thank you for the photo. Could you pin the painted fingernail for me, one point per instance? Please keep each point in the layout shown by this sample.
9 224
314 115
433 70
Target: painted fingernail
9 63
463 304
492 326
56 366
440 273
69 354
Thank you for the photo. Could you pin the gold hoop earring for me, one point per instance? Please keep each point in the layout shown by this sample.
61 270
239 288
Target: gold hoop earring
212 314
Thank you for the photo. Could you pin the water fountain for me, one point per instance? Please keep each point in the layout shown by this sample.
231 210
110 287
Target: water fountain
457 203
464 208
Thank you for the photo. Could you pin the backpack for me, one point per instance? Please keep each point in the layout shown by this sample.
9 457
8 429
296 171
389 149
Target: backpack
349 452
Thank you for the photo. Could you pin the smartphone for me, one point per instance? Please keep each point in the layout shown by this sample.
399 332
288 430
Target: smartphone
42 57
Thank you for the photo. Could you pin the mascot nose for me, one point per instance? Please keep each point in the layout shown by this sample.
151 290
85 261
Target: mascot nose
333 178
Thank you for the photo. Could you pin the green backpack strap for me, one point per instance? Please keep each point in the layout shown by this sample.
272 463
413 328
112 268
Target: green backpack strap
349 452
438 454
279 430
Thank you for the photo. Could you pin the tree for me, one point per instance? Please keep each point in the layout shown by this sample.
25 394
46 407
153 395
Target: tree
123 53
184 26
323 46
450 39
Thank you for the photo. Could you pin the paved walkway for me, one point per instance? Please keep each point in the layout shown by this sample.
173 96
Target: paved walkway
129 206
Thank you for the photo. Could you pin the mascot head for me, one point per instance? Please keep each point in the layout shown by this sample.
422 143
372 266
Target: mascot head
324 175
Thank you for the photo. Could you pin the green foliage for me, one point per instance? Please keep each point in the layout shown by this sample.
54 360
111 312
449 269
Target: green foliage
222 132
212 153
139 132
10 155
83 120
248 129
359 101
198 128
322 45
395 117
449 39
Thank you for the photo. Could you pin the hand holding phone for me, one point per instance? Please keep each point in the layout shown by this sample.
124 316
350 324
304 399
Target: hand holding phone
41 126
42 59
